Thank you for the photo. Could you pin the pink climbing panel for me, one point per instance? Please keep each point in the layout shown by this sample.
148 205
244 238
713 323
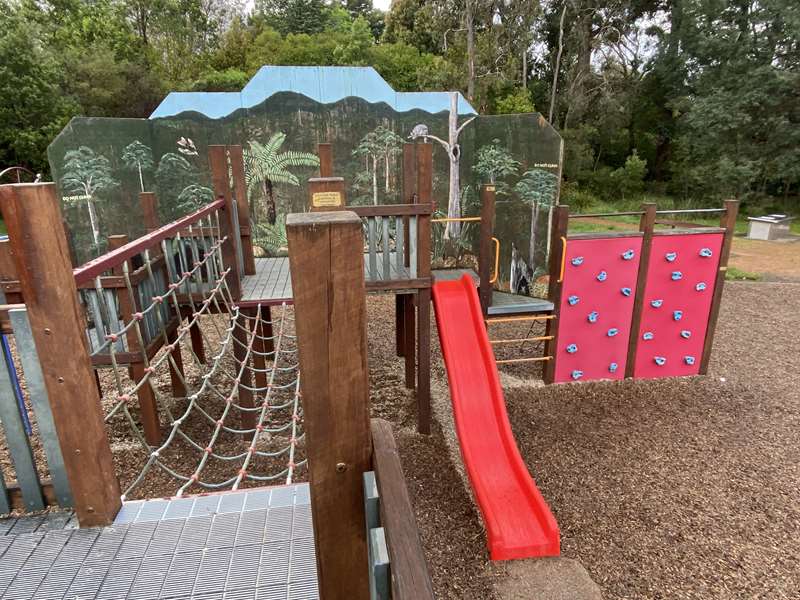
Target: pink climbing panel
596 308
677 301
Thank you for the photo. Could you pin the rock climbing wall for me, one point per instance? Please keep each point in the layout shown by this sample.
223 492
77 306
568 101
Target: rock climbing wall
597 299
677 301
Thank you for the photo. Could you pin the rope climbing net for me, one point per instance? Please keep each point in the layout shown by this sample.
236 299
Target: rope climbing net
233 411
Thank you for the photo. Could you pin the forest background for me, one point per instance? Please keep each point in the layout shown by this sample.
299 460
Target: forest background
690 101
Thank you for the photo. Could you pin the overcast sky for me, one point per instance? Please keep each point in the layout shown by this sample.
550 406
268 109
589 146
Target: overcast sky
382 4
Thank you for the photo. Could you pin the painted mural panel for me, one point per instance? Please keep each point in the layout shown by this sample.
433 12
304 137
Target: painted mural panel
680 287
100 165
596 309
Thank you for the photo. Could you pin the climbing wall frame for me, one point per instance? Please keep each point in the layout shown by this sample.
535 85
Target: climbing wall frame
681 275
599 282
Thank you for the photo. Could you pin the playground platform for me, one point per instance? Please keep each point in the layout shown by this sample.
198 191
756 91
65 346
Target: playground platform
246 545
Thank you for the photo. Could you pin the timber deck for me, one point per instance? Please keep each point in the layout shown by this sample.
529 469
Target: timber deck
248 545
272 283
503 303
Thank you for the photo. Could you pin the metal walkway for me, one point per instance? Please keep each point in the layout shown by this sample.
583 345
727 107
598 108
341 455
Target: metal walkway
249 545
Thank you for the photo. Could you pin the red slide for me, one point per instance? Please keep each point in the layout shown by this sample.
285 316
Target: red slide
518 521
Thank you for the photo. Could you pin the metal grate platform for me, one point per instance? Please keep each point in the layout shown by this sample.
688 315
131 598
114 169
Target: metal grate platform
249 545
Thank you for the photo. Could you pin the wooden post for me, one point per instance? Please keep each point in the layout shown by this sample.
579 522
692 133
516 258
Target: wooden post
326 194
243 208
728 222
557 250
399 324
33 217
325 153
486 256
260 347
647 224
240 341
410 350
218 162
149 204
147 400
327 266
425 196
409 189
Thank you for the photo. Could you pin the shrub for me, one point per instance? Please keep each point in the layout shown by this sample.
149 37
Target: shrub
578 200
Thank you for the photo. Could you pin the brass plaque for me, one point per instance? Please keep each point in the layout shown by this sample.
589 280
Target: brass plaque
490 188
325 199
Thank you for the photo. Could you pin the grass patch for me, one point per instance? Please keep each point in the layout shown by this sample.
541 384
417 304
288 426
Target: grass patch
734 274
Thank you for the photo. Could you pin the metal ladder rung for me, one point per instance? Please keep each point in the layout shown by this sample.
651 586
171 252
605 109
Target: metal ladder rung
530 339
506 361
492 320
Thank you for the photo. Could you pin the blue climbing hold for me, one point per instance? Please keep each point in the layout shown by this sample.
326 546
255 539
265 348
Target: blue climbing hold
660 360
686 334
626 291
628 255
573 300
572 348
656 303
602 276
613 331
700 286
577 374
677 275
671 256
612 368
577 261
689 360
648 335
677 315
593 316
706 252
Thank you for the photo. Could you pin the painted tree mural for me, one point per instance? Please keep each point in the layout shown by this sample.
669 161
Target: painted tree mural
265 166
382 144
138 157
87 173
538 188
453 149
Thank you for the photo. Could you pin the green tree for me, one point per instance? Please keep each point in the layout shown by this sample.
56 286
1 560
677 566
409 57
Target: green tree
294 16
538 188
494 163
87 173
139 157
265 166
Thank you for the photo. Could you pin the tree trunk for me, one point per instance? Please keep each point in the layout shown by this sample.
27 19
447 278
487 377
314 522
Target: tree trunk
141 179
525 68
375 180
534 224
453 229
557 66
93 220
386 164
470 19
269 196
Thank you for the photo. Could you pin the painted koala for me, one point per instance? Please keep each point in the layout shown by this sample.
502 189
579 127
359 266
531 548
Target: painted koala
420 130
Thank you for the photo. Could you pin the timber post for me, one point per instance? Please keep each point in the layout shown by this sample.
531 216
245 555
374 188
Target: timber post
325 154
425 196
243 208
558 239
728 223
327 267
33 217
485 253
647 224
218 161
326 194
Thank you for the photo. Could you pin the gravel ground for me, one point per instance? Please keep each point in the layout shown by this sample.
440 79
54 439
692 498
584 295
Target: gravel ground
682 488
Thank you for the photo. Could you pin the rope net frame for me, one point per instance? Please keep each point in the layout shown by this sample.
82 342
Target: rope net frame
235 416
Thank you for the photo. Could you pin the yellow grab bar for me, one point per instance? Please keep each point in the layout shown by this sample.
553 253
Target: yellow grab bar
496 260
563 258
455 220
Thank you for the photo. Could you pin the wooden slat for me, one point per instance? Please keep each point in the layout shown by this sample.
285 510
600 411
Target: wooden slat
399 241
423 271
391 210
387 257
410 577
728 223
33 217
325 153
646 227
559 230
372 271
413 240
243 208
330 308
219 178
485 253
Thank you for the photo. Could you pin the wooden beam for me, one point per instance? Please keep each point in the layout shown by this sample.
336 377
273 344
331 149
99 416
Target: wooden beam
243 207
409 190
149 203
218 162
325 153
33 217
485 255
557 250
410 576
424 197
147 399
240 343
728 222
399 324
327 266
647 224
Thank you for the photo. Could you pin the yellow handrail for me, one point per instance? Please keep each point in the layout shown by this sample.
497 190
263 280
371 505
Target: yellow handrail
455 220
496 260
563 258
